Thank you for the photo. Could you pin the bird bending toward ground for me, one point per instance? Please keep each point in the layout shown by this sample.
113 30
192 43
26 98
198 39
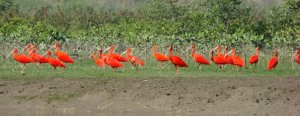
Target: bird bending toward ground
134 61
54 62
99 61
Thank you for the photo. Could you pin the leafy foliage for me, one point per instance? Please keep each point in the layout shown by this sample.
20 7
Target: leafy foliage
208 22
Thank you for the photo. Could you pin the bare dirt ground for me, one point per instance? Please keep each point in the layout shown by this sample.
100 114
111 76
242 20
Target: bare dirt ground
151 96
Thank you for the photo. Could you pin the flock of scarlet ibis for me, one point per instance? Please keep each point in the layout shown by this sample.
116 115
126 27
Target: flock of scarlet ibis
115 60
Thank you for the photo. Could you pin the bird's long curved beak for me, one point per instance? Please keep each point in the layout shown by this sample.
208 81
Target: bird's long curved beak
24 48
123 52
228 53
215 48
8 55
44 54
190 47
105 50
90 55
48 49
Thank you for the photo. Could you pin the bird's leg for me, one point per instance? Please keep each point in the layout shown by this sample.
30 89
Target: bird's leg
137 69
199 66
23 69
37 65
177 71
293 65
160 64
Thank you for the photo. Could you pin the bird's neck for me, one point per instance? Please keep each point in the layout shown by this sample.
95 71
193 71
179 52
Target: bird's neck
193 51
154 50
95 56
57 49
171 53
219 51
211 55
29 51
257 52
100 55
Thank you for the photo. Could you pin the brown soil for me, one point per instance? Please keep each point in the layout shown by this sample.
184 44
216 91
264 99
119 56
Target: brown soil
151 96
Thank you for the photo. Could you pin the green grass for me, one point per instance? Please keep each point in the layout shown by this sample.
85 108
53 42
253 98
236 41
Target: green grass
10 70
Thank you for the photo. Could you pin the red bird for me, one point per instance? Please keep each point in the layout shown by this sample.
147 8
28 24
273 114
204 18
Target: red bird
297 56
54 62
36 57
159 56
228 57
198 57
62 55
254 58
237 61
273 61
219 60
116 56
176 60
98 61
21 58
135 61
113 63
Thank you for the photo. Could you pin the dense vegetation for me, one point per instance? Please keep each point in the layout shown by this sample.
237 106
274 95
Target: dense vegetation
207 22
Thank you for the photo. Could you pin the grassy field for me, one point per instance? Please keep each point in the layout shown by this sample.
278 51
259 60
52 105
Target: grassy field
87 69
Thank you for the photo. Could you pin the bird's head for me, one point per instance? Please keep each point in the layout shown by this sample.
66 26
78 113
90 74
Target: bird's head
100 51
257 48
275 52
57 44
193 45
217 47
15 50
128 50
211 53
49 52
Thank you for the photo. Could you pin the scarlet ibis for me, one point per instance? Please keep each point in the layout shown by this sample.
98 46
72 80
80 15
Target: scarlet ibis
254 58
237 60
228 57
64 57
98 61
134 60
21 58
115 55
297 56
113 63
161 58
198 57
176 60
54 62
36 57
219 59
273 61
